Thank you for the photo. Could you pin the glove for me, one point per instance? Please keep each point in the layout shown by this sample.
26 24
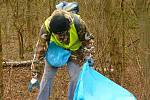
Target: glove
89 60
33 83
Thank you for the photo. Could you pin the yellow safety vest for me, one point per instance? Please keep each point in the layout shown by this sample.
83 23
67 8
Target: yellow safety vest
74 43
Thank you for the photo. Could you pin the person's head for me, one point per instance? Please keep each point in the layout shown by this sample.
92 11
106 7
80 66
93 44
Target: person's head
60 21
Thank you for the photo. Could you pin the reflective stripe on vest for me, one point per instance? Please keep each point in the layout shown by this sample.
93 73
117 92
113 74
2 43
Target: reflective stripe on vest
74 43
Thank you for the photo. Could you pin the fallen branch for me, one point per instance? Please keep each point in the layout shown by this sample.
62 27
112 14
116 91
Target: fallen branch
17 63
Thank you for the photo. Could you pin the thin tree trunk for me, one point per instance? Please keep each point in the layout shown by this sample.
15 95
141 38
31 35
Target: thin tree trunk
50 7
19 31
20 37
1 69
37 17
52 4
21 49
28 17
123 40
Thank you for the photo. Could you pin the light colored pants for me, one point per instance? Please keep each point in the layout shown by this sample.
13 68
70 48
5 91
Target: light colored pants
48 76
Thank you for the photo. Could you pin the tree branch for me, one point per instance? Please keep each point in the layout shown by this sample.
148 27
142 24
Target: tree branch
17 63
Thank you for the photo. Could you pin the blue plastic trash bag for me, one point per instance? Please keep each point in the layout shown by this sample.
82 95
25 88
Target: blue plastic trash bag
56 56
92 85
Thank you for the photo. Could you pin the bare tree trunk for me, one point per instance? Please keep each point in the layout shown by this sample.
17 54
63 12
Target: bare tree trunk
142 8
114 58
7 26
50 7
28 17
19 30
1 69
37 17
21 49
20 37
52 4
123 40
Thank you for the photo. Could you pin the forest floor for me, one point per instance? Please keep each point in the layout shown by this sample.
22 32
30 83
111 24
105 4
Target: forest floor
16 80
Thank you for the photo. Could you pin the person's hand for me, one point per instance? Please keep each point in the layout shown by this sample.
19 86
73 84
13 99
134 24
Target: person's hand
89 60
33 83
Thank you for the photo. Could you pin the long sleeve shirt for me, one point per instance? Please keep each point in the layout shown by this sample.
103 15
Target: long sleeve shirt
77 56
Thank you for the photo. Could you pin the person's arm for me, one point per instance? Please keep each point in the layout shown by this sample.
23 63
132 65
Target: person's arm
39 52
40 48
86 38
41 44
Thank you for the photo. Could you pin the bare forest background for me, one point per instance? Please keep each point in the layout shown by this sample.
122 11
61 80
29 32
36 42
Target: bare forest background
122 39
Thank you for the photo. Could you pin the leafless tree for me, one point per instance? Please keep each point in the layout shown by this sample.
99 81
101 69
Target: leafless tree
18 25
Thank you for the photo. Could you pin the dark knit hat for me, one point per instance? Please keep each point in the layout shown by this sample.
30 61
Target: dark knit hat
59 23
